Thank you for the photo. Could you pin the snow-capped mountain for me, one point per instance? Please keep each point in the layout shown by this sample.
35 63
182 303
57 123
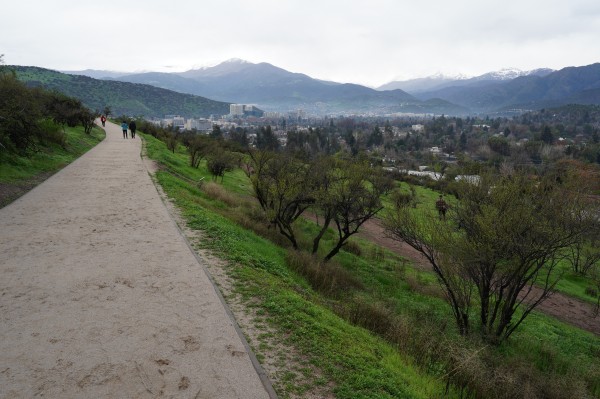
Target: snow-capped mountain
440 81
512 73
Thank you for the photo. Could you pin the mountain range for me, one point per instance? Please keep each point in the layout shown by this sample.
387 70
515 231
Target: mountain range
539 89
275 89
440 81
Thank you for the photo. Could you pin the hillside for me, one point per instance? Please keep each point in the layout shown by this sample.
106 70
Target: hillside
122 97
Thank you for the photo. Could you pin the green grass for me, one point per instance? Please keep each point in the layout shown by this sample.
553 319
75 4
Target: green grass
360 364
574 284
544 356
178 162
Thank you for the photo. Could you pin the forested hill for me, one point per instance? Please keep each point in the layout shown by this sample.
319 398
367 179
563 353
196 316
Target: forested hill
123 98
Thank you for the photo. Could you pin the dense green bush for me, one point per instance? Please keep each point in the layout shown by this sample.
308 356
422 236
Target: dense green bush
32 116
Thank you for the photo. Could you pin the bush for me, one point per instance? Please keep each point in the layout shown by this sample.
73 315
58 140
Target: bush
591 291
217 192
375 317
51 132
352 247
326 277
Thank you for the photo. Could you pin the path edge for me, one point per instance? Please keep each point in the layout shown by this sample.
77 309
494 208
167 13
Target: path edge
262 375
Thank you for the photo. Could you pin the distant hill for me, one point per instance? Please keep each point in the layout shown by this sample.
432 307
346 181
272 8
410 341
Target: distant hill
97 74
122 97
419 85
274 88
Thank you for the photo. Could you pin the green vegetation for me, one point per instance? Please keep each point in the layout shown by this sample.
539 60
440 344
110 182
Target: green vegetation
374 325
504 237
123 98
38 134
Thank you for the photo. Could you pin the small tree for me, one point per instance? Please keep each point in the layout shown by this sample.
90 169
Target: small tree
216 132
219 162
281 185
199 147
585 255
171 141
513 232
355 198
266 140
424 231
87 119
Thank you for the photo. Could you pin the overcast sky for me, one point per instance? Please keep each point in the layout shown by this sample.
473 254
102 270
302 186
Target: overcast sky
367 42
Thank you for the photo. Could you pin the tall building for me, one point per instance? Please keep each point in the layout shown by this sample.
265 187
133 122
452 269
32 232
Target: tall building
245 110
236 109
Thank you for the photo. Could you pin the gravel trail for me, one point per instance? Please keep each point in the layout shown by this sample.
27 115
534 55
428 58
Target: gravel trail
101 296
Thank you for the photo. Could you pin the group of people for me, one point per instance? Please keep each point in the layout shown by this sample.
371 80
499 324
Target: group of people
132 127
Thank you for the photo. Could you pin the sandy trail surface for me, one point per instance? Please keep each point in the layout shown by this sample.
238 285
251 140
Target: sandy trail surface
101 296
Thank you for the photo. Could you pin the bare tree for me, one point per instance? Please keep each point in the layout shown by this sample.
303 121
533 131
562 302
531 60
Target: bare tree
199 147
355 198
281 185
424 231
219 162
513 232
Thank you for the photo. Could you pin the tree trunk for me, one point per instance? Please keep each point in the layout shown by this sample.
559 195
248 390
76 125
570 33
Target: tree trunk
322 232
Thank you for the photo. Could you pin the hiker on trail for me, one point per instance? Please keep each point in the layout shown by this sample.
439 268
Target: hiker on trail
132 127
124 127
103 120
442 207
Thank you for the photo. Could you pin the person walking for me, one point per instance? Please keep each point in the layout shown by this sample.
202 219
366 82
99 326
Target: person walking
132 127
124 127
442 207
103 120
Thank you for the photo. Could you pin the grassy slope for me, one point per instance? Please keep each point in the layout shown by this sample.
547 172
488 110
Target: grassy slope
18 174
357 362
360 364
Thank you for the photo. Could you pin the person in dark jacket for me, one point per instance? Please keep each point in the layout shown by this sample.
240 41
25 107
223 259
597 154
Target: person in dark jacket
442 207
132 127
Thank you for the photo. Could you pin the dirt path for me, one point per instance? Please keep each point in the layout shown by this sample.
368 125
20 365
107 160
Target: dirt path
101 297
563 307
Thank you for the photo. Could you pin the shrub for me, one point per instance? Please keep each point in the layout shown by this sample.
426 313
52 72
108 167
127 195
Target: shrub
591 291
52 132
375 317
377 253
352 247
327 277
217 192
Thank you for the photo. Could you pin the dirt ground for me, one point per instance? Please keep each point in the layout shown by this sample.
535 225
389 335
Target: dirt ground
10 192
101 296
563 307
